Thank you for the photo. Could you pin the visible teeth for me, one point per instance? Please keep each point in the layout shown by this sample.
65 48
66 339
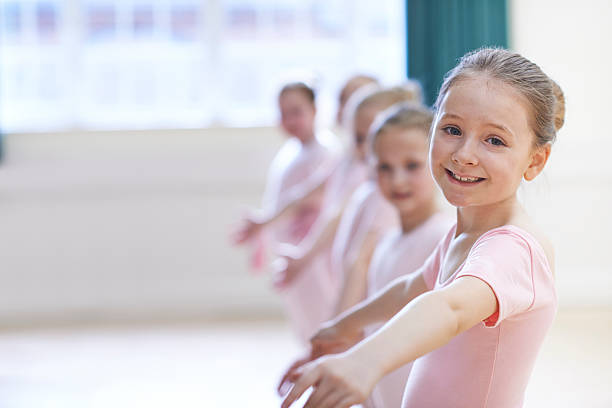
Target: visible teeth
465 179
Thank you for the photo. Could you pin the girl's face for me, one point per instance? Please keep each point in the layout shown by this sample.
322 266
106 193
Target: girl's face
297 114
401 167
363 120
482 144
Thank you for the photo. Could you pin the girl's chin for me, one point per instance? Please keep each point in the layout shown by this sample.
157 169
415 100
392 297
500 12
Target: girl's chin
456 201
406 210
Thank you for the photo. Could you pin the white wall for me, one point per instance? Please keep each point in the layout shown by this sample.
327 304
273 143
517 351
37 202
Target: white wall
133 225
128 225
573 201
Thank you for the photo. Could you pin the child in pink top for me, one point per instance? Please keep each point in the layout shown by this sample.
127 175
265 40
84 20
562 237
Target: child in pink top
303 271
302 164
368 215
305 277
474 316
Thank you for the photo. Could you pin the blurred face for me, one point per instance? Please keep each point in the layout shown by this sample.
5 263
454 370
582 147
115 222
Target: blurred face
482 144
297 114
401 166
363 120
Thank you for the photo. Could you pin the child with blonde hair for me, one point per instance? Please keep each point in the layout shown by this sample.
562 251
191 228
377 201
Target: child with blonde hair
474 316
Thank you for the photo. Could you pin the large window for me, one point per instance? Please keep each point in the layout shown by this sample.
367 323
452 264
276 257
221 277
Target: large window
104 64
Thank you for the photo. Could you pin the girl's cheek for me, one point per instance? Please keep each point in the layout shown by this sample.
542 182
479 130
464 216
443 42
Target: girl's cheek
384 186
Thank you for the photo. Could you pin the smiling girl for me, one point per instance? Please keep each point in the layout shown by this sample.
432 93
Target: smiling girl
474 316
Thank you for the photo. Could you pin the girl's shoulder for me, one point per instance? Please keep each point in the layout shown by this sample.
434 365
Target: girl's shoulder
533 237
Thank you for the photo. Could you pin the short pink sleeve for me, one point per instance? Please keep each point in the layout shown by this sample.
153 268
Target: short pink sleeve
502 259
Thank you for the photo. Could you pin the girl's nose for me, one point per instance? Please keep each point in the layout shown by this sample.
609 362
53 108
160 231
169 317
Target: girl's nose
399 178
465 155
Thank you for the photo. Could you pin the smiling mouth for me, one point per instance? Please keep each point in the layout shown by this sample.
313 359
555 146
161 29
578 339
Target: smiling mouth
464 179
401 196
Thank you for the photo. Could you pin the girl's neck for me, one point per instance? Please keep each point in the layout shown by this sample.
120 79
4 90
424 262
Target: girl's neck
479 219
414 219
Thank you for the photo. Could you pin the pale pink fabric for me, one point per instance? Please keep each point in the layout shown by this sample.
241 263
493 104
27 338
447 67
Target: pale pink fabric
295 167
367 212
490 364
310 299
298 167
396 255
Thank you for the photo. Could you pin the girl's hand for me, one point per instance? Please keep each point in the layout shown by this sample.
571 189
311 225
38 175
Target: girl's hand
289 266
290 373
338 381
287 269
334 338
246 231
330 339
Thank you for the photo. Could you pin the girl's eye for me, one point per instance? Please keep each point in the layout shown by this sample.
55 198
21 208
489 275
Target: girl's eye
452 130
383 168
495 141
412 166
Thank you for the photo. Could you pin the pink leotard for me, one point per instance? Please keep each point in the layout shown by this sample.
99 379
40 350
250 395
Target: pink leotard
295 166
489 365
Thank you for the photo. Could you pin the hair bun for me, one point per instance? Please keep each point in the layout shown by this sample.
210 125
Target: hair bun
559 114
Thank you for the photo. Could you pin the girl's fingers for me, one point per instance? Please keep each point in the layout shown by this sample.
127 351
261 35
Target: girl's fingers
280 280
323 390
302 384
334 400
285 277
346 402
290 374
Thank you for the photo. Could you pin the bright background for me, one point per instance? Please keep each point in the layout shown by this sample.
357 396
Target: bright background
107 217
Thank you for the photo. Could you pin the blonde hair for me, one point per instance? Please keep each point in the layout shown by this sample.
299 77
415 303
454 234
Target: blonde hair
410 91
408 115
545 97
354 83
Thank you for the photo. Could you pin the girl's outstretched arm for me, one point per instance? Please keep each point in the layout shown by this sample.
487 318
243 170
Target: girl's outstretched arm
384 305
428 322
253 223
346 329
312 188
296 257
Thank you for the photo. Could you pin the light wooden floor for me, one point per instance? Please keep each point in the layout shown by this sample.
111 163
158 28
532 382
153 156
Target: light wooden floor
237 365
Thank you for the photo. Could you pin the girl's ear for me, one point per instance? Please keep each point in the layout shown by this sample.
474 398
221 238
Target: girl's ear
539 157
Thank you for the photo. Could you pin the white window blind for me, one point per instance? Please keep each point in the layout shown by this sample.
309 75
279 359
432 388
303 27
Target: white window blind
125 64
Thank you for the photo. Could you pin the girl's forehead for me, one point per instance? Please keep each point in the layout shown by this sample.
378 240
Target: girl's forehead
486 99
402 141
483 87
293 95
